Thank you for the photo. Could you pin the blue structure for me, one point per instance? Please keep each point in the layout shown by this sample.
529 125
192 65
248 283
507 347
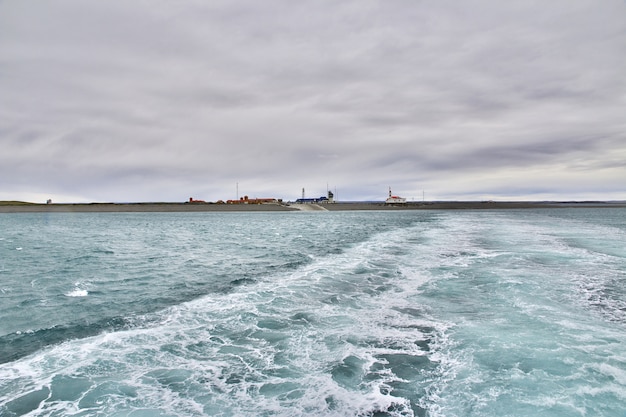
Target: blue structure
312 200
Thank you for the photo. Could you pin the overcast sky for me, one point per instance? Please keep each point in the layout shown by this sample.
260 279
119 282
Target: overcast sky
155 100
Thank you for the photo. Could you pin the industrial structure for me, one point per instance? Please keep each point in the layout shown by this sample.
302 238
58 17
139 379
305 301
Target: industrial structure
324 199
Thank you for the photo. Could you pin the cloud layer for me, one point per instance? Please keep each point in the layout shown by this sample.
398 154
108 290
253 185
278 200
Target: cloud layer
159 101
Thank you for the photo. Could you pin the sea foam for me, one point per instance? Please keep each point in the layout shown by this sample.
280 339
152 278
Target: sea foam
77 292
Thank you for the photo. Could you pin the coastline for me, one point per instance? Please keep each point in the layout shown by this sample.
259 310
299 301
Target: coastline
18 207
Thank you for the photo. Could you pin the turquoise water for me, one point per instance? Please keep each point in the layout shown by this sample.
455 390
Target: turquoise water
413 313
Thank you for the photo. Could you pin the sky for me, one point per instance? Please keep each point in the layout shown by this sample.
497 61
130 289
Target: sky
155 100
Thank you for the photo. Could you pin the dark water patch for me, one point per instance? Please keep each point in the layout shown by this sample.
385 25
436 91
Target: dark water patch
281 368
282 390
174 349
333 299
349 372
104 251
68 388
380 289
29 303
396 410
272 324
234 379
17 345
289 264
95 398
173 379
424 340
242 281
105 367
407 370
201 347
272 337
331 402
26 403
234 350
303 318
217 340
403 365
423 344
361 270
410 311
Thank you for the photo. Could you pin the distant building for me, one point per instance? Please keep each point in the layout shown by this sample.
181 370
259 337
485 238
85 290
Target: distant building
329 199
312 200
394 199
246 200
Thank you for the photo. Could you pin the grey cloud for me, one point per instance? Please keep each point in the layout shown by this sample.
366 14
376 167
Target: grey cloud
112 95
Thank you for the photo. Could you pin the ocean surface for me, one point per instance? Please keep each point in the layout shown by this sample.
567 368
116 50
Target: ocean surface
384 313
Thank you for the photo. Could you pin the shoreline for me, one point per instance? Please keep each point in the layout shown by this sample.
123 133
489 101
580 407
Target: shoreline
18 207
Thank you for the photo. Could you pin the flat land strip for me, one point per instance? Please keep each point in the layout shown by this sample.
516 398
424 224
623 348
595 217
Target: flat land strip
21 207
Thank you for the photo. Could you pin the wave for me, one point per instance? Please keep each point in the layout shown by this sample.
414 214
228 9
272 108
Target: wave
339 335
472 314
20 344
198 286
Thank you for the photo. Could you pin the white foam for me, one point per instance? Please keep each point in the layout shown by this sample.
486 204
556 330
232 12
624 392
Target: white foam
77 292
618 374
606 390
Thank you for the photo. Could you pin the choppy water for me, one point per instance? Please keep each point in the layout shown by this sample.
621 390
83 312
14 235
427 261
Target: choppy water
413 313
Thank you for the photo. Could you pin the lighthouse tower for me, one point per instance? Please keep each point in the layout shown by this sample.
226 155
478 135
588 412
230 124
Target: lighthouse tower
394 199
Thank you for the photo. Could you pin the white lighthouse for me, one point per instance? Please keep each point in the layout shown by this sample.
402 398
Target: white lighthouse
394 199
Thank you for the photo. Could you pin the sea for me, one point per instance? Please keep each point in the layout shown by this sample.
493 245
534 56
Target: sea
352 313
